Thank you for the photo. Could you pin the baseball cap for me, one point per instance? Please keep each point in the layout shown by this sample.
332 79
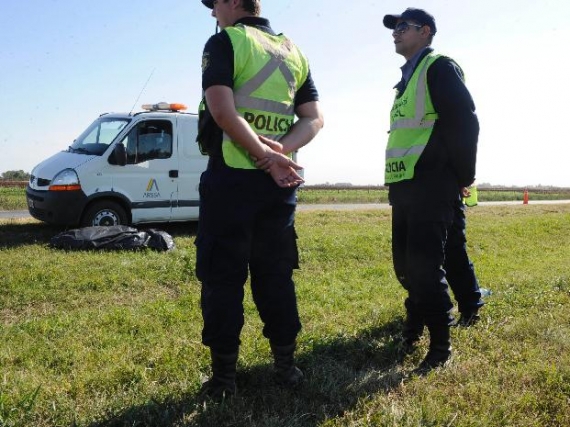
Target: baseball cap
418 15
208 3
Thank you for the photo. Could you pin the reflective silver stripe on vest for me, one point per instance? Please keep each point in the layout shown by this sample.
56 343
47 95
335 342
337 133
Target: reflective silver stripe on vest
242 96
421 94
245 101
402 152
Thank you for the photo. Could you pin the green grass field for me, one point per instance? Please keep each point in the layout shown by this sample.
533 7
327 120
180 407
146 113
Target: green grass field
113 338
12 198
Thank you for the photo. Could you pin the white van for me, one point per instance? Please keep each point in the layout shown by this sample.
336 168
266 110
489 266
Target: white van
124 169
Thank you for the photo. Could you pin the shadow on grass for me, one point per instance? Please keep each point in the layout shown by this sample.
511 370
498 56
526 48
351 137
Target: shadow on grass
339 373
16 235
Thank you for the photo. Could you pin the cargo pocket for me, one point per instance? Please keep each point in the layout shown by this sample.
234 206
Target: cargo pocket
223 261
204 249
289 253
293 250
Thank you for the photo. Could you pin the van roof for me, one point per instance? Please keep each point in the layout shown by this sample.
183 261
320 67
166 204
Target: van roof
147 113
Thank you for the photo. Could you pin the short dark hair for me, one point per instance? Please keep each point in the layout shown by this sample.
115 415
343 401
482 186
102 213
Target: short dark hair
252 6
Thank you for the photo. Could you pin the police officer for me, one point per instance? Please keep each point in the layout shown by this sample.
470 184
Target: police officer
255 82
431 155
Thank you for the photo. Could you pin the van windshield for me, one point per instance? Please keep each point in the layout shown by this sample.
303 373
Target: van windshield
97 137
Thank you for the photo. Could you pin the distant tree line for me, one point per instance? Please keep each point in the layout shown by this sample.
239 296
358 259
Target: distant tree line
15 176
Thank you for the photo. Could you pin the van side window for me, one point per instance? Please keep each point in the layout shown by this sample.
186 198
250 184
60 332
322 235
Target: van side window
151 139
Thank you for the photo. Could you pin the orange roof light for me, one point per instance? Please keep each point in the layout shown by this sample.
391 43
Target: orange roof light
178 107
164 106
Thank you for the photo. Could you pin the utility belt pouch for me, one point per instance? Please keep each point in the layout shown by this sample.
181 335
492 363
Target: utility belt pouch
210 135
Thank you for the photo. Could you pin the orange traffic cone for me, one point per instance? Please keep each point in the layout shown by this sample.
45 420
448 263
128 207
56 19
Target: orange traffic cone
525 197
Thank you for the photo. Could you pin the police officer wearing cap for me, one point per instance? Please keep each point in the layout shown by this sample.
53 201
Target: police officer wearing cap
430 157
255 83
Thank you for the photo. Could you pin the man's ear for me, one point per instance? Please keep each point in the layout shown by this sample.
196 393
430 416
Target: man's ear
425 31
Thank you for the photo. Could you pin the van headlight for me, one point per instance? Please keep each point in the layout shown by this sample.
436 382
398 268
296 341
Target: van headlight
66 180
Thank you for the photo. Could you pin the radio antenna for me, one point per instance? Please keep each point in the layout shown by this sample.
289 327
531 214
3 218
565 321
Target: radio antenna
142 90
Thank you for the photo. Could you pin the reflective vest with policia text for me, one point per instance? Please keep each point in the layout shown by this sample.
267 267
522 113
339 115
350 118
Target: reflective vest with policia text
411 123
268 72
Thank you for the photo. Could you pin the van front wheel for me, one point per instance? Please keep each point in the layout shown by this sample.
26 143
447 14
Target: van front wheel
104 213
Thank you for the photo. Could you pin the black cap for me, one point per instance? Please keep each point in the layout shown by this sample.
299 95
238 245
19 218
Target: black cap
208 3
418 15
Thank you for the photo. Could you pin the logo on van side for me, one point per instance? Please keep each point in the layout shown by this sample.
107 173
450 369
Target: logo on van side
152 191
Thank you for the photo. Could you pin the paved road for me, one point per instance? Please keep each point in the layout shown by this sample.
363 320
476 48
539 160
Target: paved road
15 214
336 207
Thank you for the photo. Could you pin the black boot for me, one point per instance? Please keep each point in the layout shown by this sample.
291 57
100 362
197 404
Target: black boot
468 318
286 373
439 351
222 385
411 332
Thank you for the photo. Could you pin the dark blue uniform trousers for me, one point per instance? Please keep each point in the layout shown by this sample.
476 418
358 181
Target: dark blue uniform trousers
419 239
458 267
246 222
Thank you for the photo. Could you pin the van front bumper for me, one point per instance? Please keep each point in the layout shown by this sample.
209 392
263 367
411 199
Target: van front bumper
56 207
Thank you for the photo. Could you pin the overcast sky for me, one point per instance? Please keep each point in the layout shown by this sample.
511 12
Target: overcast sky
64 62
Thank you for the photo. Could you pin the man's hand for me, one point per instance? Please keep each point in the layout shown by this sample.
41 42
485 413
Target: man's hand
274 145
282 169
285 175
273 157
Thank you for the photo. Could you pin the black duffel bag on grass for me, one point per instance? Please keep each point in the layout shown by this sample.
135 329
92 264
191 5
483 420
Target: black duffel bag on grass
119 237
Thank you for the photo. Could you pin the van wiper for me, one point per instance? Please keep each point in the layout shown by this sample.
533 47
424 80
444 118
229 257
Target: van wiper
79 150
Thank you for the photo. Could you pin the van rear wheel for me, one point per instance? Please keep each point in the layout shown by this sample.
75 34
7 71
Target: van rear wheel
104 213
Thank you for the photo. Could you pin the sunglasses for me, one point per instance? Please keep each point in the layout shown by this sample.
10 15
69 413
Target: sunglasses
404 26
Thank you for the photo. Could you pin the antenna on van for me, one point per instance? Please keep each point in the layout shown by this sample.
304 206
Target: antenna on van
142 90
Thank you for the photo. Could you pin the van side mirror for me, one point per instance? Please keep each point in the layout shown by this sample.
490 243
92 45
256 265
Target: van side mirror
119 155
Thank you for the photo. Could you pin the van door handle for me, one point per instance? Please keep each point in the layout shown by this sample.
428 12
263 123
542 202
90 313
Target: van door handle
173 174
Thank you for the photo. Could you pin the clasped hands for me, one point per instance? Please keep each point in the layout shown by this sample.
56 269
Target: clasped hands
282 169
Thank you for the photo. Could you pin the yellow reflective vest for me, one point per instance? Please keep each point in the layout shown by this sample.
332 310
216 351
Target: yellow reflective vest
268 72
411 123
